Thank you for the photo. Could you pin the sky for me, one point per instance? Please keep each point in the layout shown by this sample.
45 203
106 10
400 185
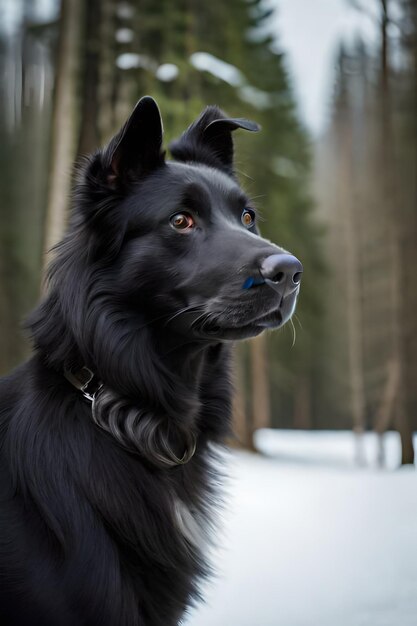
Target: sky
309 32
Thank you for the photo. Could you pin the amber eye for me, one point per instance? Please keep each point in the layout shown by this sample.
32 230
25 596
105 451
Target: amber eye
182 221
248 218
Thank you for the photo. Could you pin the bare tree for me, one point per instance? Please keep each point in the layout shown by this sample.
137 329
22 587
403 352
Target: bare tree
395 249
63 142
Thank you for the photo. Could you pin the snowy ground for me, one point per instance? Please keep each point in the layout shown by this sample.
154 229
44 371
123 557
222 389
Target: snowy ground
311 539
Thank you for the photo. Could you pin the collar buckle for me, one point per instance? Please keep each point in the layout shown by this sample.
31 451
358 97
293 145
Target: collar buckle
85 381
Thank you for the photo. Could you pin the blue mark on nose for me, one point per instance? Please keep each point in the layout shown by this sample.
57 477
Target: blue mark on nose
248 283
252 282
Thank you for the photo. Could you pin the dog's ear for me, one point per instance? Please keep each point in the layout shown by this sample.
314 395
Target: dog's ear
137 148
209 139
132 154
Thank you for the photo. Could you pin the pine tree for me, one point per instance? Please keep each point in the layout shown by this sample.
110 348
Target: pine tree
273 166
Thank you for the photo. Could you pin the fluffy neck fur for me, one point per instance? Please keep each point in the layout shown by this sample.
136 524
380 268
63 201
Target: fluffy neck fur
157 378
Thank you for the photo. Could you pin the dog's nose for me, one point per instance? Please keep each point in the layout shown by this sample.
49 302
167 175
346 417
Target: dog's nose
282 272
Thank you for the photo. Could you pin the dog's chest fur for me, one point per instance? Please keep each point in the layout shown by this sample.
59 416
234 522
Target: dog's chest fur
128 537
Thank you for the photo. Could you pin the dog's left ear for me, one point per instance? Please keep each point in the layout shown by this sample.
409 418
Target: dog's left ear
209 139
137 148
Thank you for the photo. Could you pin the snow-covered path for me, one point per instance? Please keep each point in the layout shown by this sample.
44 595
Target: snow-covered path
314 541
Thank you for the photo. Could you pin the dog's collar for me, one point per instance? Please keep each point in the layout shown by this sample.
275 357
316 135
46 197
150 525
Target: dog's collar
85 381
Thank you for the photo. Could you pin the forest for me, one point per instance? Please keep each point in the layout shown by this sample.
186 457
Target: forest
344 202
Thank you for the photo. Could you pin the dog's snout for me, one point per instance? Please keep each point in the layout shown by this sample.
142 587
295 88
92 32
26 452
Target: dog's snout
284 271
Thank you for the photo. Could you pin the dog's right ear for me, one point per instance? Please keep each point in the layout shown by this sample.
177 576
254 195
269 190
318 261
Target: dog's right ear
209 139
136 150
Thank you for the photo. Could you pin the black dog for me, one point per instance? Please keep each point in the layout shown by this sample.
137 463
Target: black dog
107 474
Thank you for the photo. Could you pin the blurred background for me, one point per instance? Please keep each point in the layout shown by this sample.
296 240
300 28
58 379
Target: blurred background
319 525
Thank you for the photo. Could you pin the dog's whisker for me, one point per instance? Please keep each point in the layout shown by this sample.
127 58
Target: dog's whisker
242 173
152 321
294 333
298 320
187 309
205 315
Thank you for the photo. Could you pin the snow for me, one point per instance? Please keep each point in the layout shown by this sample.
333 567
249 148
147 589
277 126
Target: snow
167 72
311 539
204 61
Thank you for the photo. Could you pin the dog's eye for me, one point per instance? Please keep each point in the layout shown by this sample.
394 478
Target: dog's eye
248 218
182 221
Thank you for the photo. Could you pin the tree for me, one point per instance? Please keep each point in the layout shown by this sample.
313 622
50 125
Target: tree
26 62
370 235
109 54
62 150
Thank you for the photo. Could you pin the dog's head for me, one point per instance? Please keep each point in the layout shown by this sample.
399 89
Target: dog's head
159 251
161 258
181 236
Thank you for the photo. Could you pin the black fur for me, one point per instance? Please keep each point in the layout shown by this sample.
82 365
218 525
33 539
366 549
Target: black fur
106 526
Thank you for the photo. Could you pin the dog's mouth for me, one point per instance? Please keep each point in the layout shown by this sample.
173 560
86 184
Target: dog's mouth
225 328
218 330
233 323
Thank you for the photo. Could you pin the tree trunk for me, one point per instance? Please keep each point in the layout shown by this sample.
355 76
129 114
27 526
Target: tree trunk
394 252
107 72
302 403
63 122
89 133
241 435
354 313
261 409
